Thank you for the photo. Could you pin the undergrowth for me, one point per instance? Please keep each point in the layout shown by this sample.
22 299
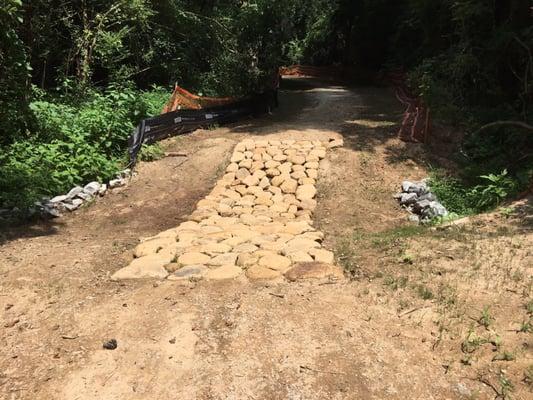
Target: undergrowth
466 196
73 141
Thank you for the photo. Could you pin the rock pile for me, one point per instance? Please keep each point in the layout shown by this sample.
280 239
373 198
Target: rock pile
78 195
255 222
417 198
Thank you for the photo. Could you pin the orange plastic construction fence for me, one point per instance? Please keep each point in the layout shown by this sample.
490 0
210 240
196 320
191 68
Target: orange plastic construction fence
182 99
311 71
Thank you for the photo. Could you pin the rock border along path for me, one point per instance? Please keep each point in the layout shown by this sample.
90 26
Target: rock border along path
257 221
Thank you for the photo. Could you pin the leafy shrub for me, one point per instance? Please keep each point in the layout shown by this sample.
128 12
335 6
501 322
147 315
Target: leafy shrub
74 142
493 191
452 193
151 152
463 199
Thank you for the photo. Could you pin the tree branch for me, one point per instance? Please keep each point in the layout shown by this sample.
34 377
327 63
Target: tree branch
519 124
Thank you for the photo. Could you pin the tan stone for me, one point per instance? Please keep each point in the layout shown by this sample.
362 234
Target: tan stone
278 180
323 256
232 194
305 192
312 173
315 235
213 249
260 174
311 165
275 262
320 153
289 185
335 143
224 272
256 165
237 157
274 246
247 259
265 182
249 144
241 189
299 244
234 241
308 204
296 228
257 272
188 226
298 175
263 201
190 272
306 181
233 167
291 199
153 246
193 258
251 180
240 147
223 259
297 159
150 266
313 270
242 174
279 207
272 172
245 248
280 157
285 168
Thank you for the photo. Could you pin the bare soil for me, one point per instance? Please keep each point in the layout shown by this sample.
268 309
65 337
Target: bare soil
427 313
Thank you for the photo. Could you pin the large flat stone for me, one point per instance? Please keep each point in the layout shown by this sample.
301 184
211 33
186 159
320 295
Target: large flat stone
313 270
150 266
224 272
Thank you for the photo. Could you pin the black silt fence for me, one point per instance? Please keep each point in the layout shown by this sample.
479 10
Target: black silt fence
179 122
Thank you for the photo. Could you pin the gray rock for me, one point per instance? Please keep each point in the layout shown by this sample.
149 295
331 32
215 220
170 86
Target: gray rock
408 198
84 196
428 196
188 272
74 192
92 188
406 185
114 183
125 174
420 206
397 196
74 205
435 210
414 218
420 188
58 199
102 190
51 211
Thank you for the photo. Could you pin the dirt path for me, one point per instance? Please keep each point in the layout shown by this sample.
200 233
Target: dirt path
357 339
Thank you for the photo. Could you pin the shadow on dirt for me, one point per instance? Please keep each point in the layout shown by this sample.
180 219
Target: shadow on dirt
28 229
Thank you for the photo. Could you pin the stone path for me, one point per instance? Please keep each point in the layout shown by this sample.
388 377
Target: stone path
256 222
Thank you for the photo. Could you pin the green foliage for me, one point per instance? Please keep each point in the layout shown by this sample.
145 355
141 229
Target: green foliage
72 143
14 72
462 197
495 189
151 152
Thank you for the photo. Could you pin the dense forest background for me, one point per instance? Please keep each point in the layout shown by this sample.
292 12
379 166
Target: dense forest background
77 75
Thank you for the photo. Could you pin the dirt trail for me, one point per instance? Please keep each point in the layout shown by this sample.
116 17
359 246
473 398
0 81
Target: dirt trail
237 340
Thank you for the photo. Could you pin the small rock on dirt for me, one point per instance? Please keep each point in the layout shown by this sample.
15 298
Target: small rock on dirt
110 344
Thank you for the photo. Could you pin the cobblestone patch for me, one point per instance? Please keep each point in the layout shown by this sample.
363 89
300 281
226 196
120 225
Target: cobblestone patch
256 222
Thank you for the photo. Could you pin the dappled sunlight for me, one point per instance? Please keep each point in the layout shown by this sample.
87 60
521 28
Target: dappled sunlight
367 123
